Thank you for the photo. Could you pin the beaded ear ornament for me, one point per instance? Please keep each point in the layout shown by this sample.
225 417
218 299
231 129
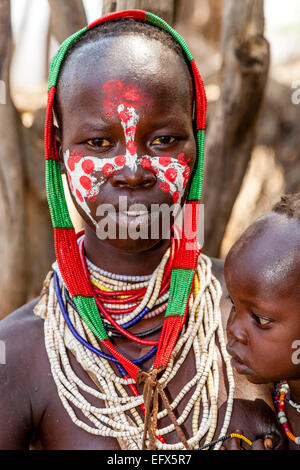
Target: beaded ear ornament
65 239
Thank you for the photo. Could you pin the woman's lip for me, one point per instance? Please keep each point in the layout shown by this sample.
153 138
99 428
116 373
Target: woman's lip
126 218
134 213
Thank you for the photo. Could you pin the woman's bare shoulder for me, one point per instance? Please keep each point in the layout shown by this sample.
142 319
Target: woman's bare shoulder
22 366
21 326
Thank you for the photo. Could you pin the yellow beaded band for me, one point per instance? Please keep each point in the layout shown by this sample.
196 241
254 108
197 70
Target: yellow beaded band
240 436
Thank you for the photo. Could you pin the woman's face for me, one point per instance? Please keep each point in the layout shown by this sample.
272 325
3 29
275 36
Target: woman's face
127 141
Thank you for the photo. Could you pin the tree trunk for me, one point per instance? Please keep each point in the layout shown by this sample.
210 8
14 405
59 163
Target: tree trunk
13 280
231 132
66 17
279 129
26 235
163 8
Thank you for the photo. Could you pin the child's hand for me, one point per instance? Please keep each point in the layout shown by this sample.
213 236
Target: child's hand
237 444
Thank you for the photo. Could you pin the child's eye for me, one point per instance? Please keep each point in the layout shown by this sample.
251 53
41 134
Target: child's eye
164 140
96 143
260 320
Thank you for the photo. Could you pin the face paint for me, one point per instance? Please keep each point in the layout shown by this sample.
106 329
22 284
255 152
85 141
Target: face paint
86 174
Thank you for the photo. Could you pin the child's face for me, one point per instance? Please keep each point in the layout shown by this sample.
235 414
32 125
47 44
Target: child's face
262 276
126 130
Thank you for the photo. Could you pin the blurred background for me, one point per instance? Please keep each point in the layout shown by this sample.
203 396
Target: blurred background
248 53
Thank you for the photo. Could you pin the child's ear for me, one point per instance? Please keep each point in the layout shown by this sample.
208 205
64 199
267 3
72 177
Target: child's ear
58 143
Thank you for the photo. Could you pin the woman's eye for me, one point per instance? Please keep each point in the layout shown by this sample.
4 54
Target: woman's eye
164 140
99 143
260 320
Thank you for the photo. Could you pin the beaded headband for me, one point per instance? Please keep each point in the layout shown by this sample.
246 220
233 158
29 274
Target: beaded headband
66 247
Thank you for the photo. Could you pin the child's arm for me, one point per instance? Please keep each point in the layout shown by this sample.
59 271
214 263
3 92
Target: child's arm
268 442
257 422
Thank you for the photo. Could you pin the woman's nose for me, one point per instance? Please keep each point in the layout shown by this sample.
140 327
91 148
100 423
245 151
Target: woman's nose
235 328
136 177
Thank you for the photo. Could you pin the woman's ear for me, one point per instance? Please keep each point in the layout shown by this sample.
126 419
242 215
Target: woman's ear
58 143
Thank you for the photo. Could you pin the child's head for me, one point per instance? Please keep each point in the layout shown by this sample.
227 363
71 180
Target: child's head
262 272
124 106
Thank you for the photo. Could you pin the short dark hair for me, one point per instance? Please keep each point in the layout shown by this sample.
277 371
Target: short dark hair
288 205
122 26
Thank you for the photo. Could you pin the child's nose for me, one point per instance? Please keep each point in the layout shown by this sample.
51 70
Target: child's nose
235 329
133 178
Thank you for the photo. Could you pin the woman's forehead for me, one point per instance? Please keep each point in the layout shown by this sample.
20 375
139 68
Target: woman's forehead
158 71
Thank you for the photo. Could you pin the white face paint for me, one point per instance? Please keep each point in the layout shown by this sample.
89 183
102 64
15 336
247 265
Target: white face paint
86 174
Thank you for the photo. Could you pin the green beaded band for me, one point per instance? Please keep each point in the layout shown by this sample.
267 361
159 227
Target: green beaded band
155 20
59 56
197 173
180 288
56 197
90 314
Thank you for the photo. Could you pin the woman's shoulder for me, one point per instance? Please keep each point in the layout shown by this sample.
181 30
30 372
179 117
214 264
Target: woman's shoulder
22 366
21 325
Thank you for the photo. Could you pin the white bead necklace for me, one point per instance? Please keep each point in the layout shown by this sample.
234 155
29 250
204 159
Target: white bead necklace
203 328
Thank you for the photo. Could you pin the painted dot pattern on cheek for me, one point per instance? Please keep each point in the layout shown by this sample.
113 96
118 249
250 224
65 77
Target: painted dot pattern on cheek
85 182
71 164
120 160
165 187
108 170
164 161
171 174
146 163
79 195
175 196
88 166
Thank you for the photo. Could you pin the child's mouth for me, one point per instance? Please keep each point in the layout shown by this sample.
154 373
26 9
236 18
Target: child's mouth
237 363
239 366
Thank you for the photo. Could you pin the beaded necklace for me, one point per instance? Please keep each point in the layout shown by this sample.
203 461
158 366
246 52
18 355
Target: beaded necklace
280 396
203 328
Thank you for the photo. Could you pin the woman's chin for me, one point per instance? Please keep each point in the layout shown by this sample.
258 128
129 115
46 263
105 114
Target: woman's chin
134 246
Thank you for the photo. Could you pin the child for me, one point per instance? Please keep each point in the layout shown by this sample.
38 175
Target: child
129 350
262 272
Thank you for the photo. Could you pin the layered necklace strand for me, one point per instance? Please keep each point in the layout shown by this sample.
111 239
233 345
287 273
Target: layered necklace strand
281 395
120 417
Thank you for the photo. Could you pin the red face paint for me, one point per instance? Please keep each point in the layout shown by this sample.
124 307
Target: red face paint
88 166
120 160
117 92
